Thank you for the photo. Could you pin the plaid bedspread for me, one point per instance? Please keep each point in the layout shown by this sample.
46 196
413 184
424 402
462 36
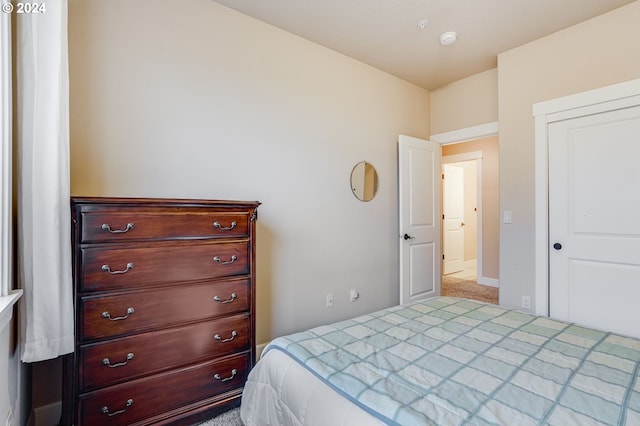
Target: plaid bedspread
451 361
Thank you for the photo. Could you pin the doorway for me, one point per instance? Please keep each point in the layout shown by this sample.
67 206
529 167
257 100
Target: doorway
484 153
480 265
460 185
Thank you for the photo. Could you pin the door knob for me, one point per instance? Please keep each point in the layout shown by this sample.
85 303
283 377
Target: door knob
557 246
408 237
462 224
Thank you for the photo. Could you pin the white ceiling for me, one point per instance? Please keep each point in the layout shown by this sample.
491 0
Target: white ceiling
385 33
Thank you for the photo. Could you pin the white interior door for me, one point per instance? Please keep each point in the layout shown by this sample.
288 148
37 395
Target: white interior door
419 218
453 219
594 226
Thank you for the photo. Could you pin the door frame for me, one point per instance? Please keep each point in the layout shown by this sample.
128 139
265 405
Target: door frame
572 106
466 135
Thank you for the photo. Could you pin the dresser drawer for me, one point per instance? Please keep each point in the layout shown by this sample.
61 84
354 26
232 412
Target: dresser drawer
108 267
133 401
119 360
140 311
145 224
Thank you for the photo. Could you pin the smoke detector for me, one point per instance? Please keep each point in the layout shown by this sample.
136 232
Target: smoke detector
448 38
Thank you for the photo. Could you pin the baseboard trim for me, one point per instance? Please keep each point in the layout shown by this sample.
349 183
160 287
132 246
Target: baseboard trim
46 415
259 349
491 282
468 264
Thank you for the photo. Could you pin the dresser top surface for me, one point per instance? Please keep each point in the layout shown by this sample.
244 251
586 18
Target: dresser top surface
129 201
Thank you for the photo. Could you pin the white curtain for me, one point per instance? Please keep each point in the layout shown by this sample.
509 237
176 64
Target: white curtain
42 143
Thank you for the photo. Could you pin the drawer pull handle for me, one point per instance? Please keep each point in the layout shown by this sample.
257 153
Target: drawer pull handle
106 268
106 361
107 315
233 336
219 299
106 227
233 374
220 261
216 224
105 410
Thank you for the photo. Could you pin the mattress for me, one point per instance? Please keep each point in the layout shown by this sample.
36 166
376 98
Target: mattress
446 361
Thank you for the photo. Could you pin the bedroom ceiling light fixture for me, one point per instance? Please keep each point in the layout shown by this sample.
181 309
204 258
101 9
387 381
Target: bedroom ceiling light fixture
448 38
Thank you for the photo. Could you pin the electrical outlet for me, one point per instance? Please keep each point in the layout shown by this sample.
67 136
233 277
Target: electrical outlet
507 216
526 302
329 300
353 295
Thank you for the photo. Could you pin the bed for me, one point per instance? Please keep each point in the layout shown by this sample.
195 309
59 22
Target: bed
446 361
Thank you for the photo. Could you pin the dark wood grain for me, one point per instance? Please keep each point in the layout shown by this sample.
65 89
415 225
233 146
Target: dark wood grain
157 224
160 307
160 350
150 299
162 393
161 263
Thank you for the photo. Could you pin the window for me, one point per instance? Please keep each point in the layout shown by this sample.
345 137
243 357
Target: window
7 296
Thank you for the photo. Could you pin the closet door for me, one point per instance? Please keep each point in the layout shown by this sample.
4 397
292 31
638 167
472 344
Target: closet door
594 220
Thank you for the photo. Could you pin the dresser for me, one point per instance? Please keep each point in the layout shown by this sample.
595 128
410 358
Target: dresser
164 310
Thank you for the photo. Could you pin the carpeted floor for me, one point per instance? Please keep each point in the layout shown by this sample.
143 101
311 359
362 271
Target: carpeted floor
456 287
228 418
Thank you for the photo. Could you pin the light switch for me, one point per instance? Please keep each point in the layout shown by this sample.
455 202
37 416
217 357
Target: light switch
507 216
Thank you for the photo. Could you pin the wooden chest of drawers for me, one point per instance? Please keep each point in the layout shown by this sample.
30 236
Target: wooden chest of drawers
165 302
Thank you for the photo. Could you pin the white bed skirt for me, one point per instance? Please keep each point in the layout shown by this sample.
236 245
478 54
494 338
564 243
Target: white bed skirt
286 394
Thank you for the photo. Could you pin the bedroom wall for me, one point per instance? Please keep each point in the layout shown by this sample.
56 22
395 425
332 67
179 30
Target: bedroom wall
465 103
199 101
596 53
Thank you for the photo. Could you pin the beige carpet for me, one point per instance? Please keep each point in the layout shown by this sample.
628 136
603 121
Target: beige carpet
456 287
228 418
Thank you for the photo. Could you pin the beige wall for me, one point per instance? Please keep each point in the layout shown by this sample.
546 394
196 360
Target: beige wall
465 103
201 101
490 199
593 54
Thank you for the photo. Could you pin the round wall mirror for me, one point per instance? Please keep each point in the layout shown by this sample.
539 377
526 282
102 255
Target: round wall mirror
364 181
